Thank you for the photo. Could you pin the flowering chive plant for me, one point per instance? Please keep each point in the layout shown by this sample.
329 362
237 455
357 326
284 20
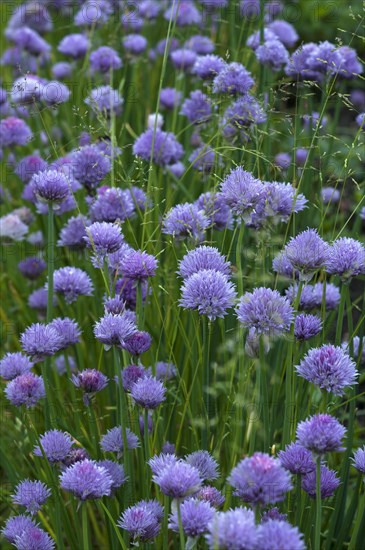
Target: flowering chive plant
182 233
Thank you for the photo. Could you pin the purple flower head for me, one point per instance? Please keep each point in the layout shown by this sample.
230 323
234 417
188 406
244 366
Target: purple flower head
321 433
212 495
208 67
330 195
40 341
357 98
346 258
149 423
31 494
185 220
265 311
33 15
168 448
204 158
72 282
111 205
115 258
68 330
233 530
279 534
32 267
90 166
177 169
277 202
148 392
159 463
15 526
312 296
241 192
284 31
28 166
135 44
325 59
114 305
13 365
29 40
141 521
202 45
139 342
297 459
329 482
112 441
12 227
165 371
172 44
273 513
307 252
61 364
260 479
307 326
106 100
54 93
116 472
149 9
314 121
127 289
14 131
215 208
56 446
104 59
114 330
62 70
204 463
209 292
240 116
184 13
104 238
90 381
359 346
137 265
74 45
178 479
86 480
283 160
75 455
183 59
350 67
196 108
170 98
93 14
26 389
273 54
233 79
299 65
27 90
195 517
34 538
39 300
254 40
360 121
166 148
359 459
329 367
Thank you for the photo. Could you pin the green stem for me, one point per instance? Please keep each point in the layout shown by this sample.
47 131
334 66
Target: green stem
262 380
46 367
85 533
181 531
357 534
165 533
317 533
206 380
289 383
341 310
146 450
298 501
